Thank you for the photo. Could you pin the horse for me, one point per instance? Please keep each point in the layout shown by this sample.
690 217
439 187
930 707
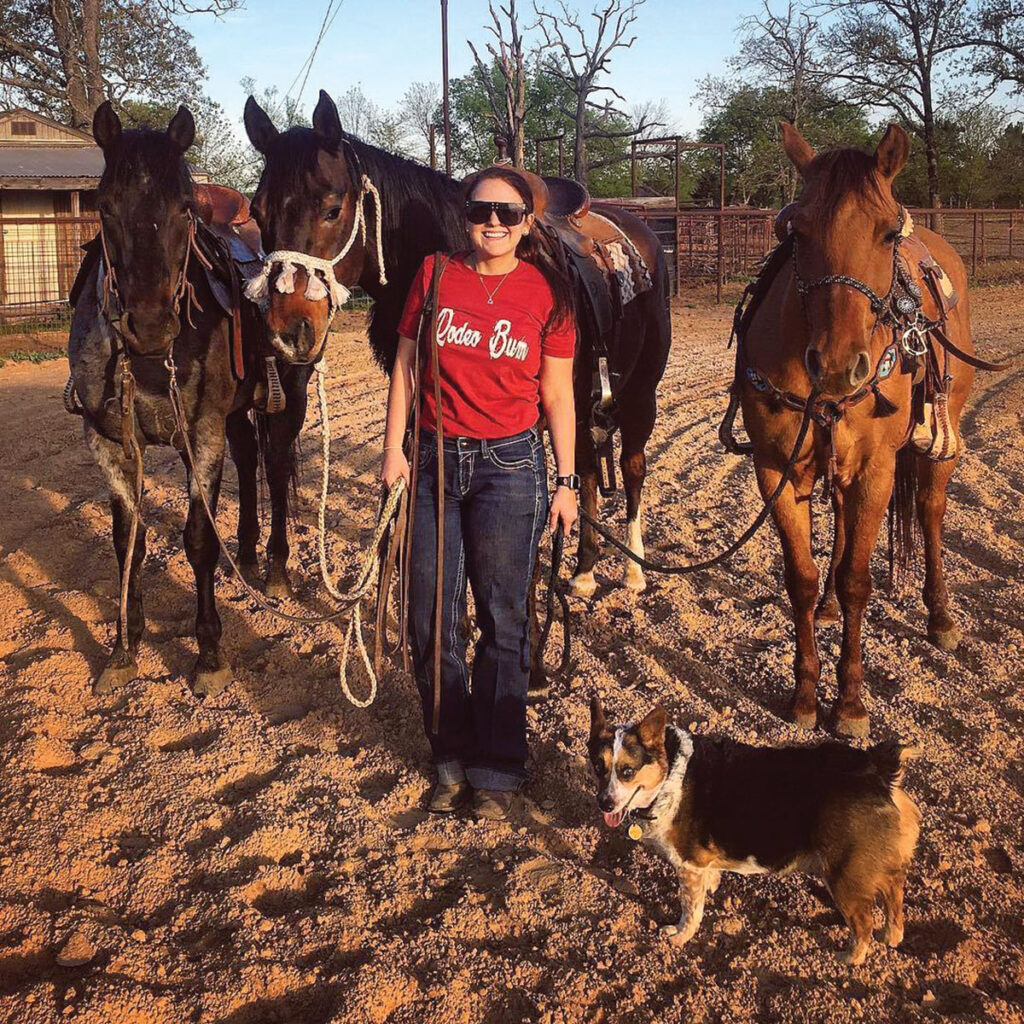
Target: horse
144 308
827 339
313 200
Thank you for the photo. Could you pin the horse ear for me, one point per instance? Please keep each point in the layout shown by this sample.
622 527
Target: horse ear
893 151
182 129
326 122
106 126
797 148
258 126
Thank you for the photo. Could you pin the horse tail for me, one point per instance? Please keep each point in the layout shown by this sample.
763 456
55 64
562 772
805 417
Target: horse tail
903 516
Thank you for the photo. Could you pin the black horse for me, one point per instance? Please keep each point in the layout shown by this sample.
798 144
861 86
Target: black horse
145 300
309 197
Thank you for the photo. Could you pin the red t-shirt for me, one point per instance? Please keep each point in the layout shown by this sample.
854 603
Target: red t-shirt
489 355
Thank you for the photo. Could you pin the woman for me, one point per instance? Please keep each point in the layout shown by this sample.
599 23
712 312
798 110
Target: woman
505 341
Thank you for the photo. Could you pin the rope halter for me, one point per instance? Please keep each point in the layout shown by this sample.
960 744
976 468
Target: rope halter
323 285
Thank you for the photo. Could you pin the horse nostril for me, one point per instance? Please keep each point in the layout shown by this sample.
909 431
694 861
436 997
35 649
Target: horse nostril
860 369
812 360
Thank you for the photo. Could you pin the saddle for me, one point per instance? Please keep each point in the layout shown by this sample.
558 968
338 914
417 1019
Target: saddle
609 272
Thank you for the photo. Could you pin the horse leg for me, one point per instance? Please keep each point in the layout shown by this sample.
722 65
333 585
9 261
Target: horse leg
211 673
792 515
283 428
245 455
583 583
637 418
828 607
866 501
121 666
932 480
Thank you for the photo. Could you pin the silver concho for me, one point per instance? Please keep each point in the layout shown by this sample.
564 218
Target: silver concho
906 305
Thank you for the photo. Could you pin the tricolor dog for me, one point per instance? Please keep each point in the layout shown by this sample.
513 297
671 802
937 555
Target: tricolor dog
713 805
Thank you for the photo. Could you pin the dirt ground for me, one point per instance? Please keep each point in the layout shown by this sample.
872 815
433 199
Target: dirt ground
264 855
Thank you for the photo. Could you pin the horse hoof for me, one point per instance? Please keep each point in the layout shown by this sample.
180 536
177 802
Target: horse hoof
583 585
209 684
804 719
827 612
540 691
114 676
854 728
945 639
634 580
250 572
279 587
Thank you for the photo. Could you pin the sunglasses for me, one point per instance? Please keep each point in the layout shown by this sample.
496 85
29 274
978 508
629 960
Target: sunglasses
510 214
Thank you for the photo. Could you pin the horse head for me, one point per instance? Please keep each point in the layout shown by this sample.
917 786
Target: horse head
847 228
308 204
146 204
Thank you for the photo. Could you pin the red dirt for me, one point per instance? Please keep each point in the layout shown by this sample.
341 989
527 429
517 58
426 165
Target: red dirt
263 856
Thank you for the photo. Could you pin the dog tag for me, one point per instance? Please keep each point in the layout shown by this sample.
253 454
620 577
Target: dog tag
636 833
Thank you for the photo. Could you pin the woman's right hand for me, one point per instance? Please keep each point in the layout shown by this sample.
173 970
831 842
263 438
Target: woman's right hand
395 465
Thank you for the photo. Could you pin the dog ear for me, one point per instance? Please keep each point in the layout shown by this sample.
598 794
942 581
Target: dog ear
598 723
652 729
797 148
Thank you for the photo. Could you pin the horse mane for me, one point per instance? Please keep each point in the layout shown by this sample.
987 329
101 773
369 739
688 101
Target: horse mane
147 148
839 173
421 214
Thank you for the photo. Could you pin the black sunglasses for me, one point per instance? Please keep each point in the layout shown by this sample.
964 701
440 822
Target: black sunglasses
510 214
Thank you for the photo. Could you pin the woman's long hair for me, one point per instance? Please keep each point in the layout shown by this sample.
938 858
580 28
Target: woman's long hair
535 247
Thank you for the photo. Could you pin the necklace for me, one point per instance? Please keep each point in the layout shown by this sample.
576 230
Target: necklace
490 294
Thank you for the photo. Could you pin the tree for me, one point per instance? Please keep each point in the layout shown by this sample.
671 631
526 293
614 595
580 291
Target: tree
507 107
891 54
284 111
580 63
420 111
64 57
996 38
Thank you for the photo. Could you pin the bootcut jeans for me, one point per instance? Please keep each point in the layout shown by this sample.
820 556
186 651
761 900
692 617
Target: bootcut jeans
495 508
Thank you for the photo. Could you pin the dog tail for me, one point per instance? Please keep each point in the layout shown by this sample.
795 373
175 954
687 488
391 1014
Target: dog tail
890 758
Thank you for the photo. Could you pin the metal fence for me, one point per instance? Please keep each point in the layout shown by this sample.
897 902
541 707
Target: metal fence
39 257
721 245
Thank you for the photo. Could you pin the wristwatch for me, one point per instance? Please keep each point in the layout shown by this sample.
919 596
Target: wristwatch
572 481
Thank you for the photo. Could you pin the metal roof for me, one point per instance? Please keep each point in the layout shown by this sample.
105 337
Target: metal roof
51 162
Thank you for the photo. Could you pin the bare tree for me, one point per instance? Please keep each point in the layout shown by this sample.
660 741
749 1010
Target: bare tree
508 110
782 46
996 38
891 54
580 63
419 109
66 56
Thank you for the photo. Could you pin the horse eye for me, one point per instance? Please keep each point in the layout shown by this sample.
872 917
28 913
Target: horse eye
333 213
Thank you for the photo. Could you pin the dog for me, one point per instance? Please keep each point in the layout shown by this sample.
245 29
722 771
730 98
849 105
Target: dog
711 805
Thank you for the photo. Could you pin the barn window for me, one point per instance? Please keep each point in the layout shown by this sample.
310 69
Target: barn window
23 127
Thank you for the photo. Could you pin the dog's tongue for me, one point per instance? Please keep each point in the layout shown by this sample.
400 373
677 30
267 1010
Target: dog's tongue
612 820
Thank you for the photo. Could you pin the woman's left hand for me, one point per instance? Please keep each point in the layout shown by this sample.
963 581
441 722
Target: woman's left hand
563 510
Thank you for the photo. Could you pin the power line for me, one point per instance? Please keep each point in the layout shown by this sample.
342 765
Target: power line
307 65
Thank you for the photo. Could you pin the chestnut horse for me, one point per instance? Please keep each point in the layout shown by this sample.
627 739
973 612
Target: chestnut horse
312 199
821 328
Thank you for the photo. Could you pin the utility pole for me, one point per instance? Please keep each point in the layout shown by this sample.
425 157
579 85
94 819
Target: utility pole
444 81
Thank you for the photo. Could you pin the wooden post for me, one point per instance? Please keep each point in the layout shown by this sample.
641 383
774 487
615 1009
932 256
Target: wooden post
561 156
675 192
983 240
432 135
1009 237
444 79
974 244
721 222
632 168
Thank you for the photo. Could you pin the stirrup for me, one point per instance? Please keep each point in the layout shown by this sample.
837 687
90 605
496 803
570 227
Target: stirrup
935 438
725 429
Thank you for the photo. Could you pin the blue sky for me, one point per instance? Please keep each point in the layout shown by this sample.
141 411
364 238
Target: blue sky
384 45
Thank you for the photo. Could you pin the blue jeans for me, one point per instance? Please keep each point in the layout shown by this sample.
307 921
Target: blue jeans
495 507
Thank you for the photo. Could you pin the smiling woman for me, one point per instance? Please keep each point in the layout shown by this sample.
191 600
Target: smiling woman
502 344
